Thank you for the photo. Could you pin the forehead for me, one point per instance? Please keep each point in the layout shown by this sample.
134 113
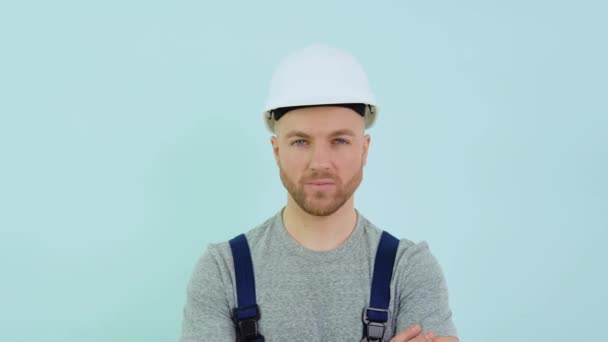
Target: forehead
324 120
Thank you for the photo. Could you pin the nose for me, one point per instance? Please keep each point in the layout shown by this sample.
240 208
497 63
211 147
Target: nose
321 157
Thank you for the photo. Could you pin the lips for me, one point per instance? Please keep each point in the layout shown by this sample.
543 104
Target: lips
324 181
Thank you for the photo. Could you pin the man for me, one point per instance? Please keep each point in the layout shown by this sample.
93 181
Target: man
314 259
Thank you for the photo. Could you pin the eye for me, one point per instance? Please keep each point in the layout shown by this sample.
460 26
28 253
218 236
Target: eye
341 141
299 142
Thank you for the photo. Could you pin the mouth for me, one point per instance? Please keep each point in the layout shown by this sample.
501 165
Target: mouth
323 181
321 184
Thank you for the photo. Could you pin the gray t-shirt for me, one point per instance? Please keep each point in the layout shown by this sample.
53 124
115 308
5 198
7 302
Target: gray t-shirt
309 296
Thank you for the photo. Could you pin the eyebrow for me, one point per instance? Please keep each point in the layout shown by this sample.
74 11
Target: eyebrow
333 134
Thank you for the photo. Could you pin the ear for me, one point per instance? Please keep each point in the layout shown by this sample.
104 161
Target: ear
274 141
366 142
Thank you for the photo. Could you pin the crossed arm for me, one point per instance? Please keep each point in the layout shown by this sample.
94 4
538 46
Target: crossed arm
413 334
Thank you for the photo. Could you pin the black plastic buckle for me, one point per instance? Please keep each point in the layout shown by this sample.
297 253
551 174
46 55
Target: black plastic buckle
374 330
248 327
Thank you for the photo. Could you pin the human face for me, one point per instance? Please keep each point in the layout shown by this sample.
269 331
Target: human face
321 152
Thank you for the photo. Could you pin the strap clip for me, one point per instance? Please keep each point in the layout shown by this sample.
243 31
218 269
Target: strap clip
375 328
246 319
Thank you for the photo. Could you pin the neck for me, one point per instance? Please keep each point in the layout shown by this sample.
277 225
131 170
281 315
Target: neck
319 233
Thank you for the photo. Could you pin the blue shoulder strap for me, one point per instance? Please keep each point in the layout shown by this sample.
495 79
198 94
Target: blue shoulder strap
247 312
376 315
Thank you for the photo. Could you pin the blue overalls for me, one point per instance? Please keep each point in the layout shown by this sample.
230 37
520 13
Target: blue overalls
374 317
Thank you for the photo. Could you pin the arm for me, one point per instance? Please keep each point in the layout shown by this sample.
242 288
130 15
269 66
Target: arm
423 294
414 334
207 313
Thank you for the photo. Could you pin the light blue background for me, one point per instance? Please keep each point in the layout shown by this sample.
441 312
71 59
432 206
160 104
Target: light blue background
131 136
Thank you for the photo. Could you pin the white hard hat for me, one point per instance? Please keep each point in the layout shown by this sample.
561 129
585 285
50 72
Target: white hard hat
319 75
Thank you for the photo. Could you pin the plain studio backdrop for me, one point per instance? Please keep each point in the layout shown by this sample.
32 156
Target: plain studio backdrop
131 136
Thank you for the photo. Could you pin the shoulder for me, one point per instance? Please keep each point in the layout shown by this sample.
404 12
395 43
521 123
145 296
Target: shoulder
414 252
221 253
407 249
215 265
412 257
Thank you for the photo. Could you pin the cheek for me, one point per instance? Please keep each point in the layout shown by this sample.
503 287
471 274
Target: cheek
292 164
343 168
350 161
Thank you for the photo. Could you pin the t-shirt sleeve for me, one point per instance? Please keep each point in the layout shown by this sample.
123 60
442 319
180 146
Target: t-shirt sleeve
207 314
422 293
